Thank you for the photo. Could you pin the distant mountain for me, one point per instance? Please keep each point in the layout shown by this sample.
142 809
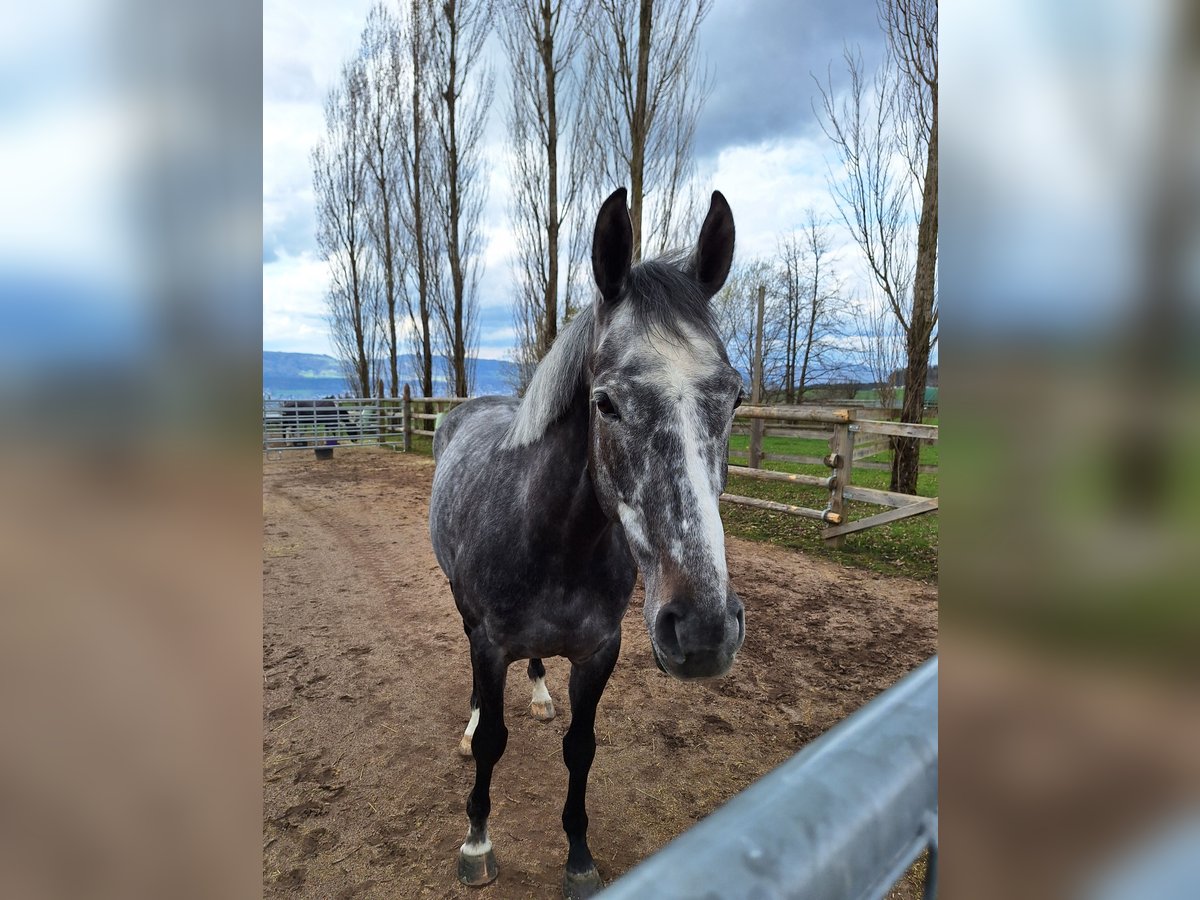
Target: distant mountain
301 376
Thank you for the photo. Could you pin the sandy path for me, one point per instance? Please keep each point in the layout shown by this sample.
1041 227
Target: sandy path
367 682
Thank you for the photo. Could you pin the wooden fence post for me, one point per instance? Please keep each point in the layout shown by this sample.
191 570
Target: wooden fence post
406 404
756 385
380 412
841 455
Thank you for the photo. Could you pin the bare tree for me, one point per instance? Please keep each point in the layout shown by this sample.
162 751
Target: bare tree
542 38
882 348
810 306
648 88
383 123
735 311
461 112
886 136
340 186
420 166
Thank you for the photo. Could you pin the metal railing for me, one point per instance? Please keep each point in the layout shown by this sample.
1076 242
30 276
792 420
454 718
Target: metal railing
331 422
303 424
843 819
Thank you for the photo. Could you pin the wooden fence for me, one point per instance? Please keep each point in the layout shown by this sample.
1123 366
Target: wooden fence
853 434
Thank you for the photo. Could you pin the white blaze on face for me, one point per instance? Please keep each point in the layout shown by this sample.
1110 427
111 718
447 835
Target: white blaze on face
681 367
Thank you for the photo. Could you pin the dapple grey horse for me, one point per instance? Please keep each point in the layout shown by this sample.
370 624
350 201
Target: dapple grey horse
544 509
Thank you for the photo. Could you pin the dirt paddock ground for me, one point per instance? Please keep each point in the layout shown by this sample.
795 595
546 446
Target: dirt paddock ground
367 684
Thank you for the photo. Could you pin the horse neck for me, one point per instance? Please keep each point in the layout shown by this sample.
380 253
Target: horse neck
580 517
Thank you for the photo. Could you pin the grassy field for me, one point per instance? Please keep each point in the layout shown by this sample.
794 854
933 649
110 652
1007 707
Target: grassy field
907 547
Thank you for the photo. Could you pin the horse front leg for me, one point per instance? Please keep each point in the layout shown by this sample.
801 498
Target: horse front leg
476 860
588 679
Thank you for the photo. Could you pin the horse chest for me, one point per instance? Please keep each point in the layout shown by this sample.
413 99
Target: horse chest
555 607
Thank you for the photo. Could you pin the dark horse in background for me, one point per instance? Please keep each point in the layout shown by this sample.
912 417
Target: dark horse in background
544 509
304 420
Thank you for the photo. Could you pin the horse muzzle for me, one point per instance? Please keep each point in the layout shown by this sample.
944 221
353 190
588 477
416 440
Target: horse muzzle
690 642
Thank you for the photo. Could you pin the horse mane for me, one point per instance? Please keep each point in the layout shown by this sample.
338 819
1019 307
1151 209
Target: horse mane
663 296
554 383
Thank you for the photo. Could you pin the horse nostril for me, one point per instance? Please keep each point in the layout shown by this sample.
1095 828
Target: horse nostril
666 632
741 620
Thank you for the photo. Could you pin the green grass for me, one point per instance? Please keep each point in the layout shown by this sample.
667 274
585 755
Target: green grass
908 547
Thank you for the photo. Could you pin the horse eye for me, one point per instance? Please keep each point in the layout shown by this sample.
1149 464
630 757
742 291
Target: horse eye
740 397
605 405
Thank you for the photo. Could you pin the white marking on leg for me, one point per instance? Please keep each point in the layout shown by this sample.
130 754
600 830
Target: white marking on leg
464 745
541 705
478 848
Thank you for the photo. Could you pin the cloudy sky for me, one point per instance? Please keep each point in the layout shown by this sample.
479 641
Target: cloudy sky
757 142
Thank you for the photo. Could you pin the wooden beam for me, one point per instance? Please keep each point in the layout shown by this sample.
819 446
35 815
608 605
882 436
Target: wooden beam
406 418
897 429
766 475
882 498
887 467
771 505
869 448
756 382
841 446
892 515
802 460
784 431
794 413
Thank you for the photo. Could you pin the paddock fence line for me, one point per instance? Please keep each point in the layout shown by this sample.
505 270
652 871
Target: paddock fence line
843 819
351 421
392 421
842 427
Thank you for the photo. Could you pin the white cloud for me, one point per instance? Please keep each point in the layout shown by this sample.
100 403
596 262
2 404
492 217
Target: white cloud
502 353
294 304
770 184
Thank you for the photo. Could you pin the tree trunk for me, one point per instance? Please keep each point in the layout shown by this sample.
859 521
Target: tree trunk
419 237
390 276
637 136
458 362
906 460
550 318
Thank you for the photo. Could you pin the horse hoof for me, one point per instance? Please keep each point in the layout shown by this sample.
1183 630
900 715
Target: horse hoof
584 884
476 871
543 712
464 747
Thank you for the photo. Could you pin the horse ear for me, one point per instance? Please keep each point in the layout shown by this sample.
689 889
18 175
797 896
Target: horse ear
612 246
714 251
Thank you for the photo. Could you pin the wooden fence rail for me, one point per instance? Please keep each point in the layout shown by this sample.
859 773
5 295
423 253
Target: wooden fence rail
841 426
844 427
